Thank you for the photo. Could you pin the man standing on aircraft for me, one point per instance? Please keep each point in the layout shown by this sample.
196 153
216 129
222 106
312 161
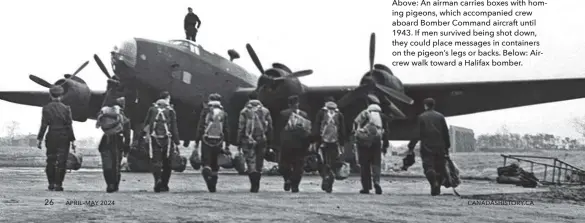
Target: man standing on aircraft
191 24
433 134
161 127
295 142
115 142
371 132
57 117
254 136
213 130
329 132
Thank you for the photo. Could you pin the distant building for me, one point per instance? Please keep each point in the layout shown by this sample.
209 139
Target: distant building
462 139
22 140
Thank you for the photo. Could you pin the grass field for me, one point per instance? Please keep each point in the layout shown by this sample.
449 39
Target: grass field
472 165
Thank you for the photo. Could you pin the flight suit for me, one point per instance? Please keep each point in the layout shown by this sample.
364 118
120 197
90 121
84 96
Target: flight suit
433 133
57 118
294 149
112 148
370 157
254 150
191 25
211 149
329 151
160 160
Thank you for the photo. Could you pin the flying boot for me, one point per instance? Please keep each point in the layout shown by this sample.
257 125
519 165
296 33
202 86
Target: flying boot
213 182
378 188
366 185
117 184
376 180
438 183
328 179
207 176
286 178
295 185
157 180
165 177
255 182
287 184
59 177
109 181
251 178
432 178
50 171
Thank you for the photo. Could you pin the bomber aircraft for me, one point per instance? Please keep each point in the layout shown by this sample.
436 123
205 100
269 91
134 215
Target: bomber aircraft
143 68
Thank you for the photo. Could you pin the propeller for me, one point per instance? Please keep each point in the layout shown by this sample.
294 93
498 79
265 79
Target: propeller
46 84
369 86
290 74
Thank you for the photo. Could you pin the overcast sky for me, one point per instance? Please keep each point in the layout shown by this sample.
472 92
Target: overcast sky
50 38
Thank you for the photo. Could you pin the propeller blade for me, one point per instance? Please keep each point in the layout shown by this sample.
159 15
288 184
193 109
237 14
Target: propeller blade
393 109
297 74
395 94
39 81
396 111
372 50
282 67
101 65
80 68
254 58
301 73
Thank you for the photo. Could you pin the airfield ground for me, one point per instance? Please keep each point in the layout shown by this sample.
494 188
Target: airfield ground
23 196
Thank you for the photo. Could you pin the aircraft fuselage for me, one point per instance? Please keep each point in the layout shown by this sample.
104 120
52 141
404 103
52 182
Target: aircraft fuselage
185 69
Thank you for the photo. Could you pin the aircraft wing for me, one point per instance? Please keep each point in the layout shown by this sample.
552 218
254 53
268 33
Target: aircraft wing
41 98
471 97
32 98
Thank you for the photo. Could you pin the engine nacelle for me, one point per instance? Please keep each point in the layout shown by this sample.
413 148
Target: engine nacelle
273 91
383 76
77 95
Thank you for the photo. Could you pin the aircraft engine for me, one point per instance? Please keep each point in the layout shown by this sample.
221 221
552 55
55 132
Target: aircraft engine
77 95
278 82
384 76
274 87
379 81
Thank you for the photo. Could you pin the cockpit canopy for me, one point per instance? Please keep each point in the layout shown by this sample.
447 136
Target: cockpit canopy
187 44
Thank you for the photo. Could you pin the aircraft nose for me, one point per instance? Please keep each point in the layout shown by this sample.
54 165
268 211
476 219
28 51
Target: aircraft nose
124 56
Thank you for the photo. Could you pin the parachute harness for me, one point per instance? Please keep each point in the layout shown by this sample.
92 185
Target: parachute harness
219 142
160 113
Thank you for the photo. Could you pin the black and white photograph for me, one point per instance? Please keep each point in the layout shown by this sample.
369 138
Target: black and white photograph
292 111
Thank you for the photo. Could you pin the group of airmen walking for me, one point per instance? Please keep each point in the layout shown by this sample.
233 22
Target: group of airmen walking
299 136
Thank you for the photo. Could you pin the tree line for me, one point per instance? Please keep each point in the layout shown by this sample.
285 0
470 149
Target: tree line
514 141
13 137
